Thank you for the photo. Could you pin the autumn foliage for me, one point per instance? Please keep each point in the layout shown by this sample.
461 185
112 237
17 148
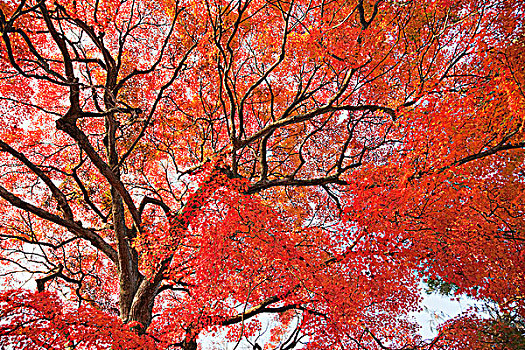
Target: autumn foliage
271 174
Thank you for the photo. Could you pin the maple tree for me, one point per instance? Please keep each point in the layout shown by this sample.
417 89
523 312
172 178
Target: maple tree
281 173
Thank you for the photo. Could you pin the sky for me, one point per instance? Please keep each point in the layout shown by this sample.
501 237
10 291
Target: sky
437 309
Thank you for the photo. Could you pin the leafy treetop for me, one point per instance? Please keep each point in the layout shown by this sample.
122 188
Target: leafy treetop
280 173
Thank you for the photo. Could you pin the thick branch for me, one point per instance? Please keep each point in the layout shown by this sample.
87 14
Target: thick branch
55 273
334 179
489 152
57 194
149 200
144 298
69 126
43 244
74 91
306 116
72 226
364 23
85 194
498 148
251 312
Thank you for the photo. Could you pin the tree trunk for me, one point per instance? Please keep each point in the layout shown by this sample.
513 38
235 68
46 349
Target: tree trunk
190 344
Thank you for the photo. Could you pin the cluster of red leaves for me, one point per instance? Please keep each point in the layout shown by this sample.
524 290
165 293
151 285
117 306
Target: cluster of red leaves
448 191
32 320
233 251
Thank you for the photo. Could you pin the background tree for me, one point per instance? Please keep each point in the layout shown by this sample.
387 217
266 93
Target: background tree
177 168
484 326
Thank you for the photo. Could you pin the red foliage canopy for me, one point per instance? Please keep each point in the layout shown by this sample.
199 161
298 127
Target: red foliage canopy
277 174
